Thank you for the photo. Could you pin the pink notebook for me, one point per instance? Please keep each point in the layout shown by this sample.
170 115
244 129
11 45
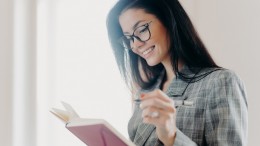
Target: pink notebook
96 135
93 132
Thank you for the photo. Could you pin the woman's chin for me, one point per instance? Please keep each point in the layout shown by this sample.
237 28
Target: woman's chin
151 63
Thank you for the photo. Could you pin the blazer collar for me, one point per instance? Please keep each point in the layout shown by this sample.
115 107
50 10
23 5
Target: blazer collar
178 86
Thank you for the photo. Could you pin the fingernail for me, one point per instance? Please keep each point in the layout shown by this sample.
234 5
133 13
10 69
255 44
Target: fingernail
142 96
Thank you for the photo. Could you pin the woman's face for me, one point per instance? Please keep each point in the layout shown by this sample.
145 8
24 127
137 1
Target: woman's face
155 50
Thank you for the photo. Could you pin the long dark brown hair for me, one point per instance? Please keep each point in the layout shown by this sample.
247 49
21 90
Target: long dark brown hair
185 44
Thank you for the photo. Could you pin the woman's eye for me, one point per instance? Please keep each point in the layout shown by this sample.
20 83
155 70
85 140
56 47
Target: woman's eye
143 30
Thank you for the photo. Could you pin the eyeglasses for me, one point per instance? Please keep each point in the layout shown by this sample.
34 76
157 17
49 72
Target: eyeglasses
141 33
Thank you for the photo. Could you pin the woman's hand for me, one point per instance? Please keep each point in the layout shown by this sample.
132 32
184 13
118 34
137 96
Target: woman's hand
158 109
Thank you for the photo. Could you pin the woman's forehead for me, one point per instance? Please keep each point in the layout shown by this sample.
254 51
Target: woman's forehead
132 18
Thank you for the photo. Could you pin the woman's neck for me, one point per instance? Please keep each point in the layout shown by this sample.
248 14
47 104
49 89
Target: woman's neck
170 74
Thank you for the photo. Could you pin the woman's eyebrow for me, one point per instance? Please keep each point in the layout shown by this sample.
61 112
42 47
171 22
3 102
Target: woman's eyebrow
134 26
137 23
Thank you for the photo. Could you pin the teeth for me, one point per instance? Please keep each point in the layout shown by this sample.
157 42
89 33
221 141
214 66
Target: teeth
148 51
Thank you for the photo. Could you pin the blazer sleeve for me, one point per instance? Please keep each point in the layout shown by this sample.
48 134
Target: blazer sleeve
226 113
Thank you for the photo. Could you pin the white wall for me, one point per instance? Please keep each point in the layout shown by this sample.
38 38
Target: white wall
231 31
6 72
17 73
24 73
76 65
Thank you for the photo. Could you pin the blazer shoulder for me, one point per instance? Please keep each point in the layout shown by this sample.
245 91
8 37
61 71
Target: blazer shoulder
224 75
226 78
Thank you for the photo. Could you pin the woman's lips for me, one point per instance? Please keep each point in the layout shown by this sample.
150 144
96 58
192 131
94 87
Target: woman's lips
148 51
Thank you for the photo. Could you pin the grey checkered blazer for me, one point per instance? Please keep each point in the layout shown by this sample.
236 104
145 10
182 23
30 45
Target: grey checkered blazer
213 112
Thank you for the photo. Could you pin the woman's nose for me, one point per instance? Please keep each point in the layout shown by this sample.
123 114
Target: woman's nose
137 43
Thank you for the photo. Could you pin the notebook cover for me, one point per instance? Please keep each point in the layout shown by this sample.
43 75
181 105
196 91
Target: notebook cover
96 135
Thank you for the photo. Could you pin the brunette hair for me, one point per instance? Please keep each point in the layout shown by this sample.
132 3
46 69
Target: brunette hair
185 44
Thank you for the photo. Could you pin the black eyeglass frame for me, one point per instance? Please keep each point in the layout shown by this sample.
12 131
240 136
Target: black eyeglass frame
146 25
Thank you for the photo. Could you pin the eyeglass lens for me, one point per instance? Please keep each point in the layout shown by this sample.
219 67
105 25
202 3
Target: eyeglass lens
141 33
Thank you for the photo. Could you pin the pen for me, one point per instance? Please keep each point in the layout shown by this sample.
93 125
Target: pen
137 100
176 102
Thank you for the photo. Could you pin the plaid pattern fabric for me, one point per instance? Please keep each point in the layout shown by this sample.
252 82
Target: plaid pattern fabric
216 113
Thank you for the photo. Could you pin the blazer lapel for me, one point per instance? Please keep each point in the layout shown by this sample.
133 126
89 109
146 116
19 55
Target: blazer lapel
177 88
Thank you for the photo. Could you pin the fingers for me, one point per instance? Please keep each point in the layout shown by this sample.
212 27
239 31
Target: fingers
157 103
154 112
156 93
157 99
159 110
151 112
160 120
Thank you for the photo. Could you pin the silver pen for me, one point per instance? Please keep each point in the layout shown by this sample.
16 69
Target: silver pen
176 102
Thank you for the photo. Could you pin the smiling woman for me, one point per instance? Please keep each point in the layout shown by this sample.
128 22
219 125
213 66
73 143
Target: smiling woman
165 62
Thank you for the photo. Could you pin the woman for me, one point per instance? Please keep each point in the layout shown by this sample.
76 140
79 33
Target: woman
182 96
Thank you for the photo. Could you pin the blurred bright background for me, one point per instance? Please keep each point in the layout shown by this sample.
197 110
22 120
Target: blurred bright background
58 50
